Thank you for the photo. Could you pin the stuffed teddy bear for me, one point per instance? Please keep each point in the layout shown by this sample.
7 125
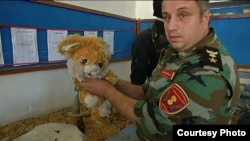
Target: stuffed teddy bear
89 57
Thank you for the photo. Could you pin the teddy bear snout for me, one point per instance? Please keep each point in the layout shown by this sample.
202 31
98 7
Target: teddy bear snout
92 71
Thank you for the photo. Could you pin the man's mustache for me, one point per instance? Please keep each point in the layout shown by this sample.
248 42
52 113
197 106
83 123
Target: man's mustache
174 33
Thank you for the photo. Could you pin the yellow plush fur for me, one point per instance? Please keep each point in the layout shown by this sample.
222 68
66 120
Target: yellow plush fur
89 57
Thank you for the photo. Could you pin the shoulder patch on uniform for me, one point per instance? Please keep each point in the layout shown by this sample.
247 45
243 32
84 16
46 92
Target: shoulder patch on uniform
211 58
173 100
169 74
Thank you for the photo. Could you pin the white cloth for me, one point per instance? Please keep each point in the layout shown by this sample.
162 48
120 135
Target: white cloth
53 132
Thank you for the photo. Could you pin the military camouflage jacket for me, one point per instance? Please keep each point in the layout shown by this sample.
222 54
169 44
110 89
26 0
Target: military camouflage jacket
198 86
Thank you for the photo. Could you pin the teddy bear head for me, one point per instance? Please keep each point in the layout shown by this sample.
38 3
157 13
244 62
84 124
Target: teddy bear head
87 56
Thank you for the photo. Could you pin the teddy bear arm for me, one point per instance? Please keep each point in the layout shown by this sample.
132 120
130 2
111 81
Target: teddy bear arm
111 77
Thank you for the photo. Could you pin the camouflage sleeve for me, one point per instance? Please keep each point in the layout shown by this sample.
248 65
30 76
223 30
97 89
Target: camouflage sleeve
209 97
198 96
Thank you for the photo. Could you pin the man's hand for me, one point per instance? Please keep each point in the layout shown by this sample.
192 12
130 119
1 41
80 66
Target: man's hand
98 87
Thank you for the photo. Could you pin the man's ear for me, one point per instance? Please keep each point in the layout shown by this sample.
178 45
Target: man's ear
206 17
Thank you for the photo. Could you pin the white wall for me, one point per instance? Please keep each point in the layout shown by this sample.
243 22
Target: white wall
31 94
118 7
144 9
34 93
132 9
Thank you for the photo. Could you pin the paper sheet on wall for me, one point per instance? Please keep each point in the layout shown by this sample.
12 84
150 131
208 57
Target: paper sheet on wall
90 33
24 43
1 52
53 38
108 37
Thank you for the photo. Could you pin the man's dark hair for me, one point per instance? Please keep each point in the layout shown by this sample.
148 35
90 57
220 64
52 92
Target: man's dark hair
157 8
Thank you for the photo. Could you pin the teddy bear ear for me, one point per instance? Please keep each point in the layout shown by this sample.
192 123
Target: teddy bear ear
69 47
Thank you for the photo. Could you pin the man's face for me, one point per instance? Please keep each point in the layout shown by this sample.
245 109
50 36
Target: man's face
183 23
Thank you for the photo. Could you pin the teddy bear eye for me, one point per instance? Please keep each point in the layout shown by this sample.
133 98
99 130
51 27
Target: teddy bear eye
84 61
100 65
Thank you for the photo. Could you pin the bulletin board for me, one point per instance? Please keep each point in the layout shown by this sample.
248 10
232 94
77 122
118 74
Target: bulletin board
234 34
144 24
51 15
233 31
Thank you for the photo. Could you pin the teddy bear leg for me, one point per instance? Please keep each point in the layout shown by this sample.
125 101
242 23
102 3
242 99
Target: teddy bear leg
86 111
95 116
76 119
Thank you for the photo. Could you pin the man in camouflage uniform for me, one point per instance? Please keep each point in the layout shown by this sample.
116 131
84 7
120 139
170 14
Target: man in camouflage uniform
196 81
